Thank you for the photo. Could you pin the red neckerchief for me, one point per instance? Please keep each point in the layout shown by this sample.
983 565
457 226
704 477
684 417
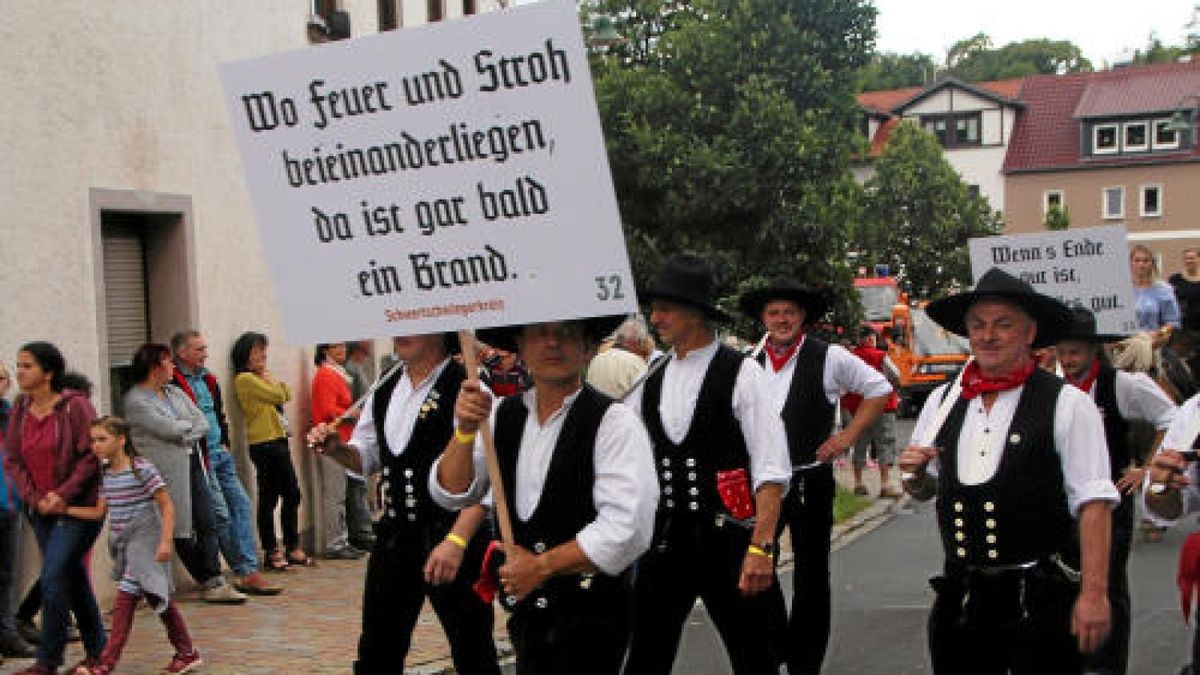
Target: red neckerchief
974 383
1089 379
780 358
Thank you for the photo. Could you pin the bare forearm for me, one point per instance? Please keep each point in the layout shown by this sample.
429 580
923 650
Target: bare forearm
468 521
1095 532
567 558
343 453
766 504
456 470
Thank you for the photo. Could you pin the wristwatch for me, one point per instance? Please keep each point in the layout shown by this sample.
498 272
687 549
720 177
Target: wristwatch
769 546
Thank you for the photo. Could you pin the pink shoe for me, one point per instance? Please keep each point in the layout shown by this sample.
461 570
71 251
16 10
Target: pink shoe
184 663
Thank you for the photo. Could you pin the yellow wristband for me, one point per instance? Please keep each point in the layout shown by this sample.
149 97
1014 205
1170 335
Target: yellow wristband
464 438
457 540
757 551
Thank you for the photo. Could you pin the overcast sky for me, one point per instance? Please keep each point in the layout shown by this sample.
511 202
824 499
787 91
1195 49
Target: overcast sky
1103 29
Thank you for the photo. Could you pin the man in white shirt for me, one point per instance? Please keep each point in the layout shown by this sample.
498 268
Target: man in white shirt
1121 398
577 472
806 378
1014 459
721 461
421 549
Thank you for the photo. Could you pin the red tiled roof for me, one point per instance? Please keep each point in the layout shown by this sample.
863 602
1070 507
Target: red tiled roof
1046 135
882 134
888 100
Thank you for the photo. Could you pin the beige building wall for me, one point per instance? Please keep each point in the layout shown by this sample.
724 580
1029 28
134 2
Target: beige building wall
1166 235
118 106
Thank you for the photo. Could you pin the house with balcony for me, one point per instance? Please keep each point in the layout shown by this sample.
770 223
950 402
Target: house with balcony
972 121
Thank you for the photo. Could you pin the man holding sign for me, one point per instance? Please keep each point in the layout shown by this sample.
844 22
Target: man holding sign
1013 454
420 549
578 468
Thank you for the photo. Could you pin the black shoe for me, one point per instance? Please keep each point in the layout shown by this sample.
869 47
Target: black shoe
12 644
343 553
28 630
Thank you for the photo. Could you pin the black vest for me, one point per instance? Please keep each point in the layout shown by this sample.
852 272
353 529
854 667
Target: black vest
565 505
807 413
687 472
1116 428
1020 514
406 500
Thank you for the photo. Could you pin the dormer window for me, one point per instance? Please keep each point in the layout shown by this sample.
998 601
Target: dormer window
1136 137
1165 138
1105 140
954 130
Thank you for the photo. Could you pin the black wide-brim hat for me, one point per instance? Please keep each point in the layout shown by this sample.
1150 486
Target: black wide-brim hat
814 303
1083 327
505 337
685 280
1053 318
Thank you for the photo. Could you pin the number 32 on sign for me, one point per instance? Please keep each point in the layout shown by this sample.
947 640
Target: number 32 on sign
609 288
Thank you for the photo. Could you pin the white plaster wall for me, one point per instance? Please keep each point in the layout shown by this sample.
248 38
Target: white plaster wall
127 97
981 166
938 102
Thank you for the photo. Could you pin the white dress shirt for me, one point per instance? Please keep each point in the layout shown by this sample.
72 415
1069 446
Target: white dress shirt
402 412
1180 436
625 491
1140 399
1078 439
844 373
761 425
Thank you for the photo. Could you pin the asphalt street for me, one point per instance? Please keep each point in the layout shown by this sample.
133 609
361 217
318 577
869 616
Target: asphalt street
881 599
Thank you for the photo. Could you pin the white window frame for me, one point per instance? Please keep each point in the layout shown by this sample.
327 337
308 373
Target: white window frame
1096 149
1104 212
1142 200
1062 200
1142 147
1154 135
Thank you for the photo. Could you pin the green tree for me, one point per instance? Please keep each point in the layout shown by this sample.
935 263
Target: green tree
893 71
730 135
974 59
918 215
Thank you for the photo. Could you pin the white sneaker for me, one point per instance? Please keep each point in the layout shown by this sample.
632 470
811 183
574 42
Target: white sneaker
223 595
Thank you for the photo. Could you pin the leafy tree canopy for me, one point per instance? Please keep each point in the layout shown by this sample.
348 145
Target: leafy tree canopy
894 71
918 215
974 59
730 126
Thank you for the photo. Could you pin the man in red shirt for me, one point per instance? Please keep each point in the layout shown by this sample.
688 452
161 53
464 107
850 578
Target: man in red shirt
880 436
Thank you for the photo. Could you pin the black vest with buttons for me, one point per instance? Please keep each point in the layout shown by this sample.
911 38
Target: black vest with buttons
687 472
807 413
1020 514
1116 427
565 505
405 479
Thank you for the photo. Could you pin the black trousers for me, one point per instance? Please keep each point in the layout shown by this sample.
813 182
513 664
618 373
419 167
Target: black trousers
200 553
697 559
1019 623
808 515
1113 656
395 591
584 633
277 484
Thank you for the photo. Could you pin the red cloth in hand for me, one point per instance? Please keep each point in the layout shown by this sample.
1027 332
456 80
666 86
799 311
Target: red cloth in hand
487 586
734 488
1189 573
974 383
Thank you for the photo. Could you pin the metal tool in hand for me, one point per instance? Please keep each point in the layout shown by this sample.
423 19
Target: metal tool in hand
939 419
1188 455
357 405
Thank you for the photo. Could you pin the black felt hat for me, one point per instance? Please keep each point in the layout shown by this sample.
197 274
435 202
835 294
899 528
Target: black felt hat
505 337
1083 327
686 280
1053 318
814 303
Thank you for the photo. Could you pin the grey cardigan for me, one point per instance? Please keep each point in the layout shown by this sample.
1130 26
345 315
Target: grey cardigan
167 439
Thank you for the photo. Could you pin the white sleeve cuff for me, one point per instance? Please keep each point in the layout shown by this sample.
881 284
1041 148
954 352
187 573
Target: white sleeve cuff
1097 490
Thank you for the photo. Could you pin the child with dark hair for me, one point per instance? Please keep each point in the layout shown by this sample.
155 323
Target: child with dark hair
139 539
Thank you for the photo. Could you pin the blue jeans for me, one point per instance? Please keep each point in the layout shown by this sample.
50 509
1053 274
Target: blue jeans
231 508
10 534
65 585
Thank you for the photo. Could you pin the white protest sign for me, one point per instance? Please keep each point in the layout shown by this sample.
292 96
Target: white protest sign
434 178
1087 268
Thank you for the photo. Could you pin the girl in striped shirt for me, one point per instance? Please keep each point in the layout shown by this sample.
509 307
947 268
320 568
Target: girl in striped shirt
139 539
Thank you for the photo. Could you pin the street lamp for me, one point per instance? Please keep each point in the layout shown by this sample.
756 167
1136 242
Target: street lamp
1181 121
604 33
